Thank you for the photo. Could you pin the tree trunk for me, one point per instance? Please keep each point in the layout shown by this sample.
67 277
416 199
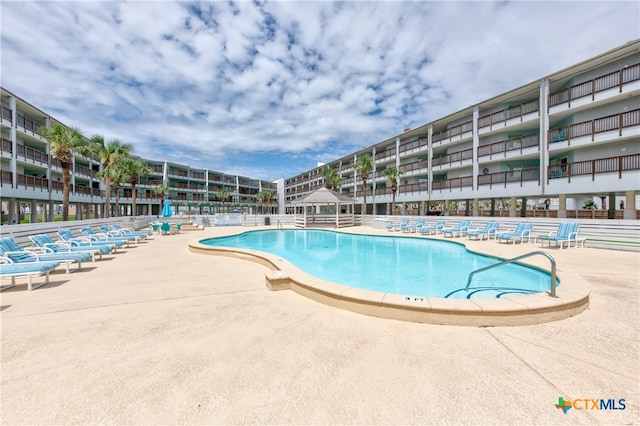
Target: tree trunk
134 194
107 197
66 189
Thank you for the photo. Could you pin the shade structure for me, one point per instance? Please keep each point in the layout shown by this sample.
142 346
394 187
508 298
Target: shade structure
166 209
324 207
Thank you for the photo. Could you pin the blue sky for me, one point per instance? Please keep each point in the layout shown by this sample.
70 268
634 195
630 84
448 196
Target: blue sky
269 89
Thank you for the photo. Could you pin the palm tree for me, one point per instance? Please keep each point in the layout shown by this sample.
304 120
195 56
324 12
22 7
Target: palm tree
134 169
332 178
223 194
65 141
160 191
364 166
265 196
109 153
115 175
392 174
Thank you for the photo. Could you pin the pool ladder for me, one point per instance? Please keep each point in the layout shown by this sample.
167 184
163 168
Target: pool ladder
280 225
504 262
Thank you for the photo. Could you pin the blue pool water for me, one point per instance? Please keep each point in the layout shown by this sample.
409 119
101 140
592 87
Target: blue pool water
406 266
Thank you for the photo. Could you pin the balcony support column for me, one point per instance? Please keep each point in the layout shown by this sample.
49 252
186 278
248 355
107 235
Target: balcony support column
12 213
476 209
562 206
33 211
611 212
630 205
512 206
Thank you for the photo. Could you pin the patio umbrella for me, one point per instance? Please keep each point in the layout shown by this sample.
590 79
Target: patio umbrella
166 209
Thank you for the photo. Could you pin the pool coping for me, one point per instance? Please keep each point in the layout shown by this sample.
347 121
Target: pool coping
572 296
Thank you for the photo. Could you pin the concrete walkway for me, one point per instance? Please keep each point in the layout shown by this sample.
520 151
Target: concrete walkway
160 335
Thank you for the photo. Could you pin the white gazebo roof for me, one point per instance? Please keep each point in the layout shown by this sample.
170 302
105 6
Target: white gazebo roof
325 196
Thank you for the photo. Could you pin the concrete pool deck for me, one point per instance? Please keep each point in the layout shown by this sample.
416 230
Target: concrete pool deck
161 335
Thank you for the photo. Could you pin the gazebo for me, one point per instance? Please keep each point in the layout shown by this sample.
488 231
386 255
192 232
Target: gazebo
324 208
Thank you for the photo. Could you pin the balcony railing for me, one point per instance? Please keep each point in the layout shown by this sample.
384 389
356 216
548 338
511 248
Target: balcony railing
595 126
416 165
387 153
6 178
506 114
413 187
174 172
454 183
33 154
346 167
409 146
7 146
511 176
83 170
458 156
454 131
7 113
512 144
591 87
593 167
28 124
28 181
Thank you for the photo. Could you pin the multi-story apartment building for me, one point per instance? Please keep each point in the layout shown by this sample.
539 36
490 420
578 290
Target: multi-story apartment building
566 138
31 179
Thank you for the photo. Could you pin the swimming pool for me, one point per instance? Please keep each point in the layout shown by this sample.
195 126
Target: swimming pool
398 265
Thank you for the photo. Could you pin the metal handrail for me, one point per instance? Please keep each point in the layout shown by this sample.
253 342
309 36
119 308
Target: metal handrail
280 224
504 262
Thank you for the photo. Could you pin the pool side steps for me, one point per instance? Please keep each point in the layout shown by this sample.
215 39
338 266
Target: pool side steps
277 280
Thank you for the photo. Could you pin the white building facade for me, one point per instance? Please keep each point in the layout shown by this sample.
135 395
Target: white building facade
555 143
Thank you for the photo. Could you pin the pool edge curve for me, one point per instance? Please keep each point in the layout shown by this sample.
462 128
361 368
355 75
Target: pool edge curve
572 296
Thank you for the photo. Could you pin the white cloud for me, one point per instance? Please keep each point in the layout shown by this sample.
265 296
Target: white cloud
220 83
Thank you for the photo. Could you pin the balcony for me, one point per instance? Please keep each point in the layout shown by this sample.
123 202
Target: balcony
453 183
385 155
7 114
416 165
29 125
511 176
32 182
513 144
413 187
454 157
503 116
458 130
83 170
6 178
180 173
598 84
6 147
593 167
616 122
417 144
33 154
346 167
